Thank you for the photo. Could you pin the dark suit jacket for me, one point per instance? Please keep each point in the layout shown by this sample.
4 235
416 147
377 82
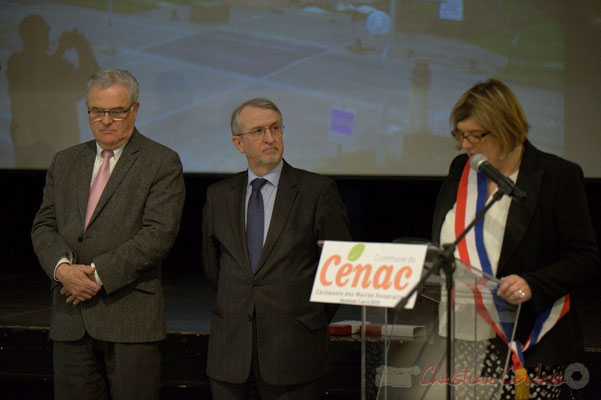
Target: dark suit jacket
132 230
549 241
292 333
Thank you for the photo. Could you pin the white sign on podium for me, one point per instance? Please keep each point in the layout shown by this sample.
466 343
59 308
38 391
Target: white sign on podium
368 274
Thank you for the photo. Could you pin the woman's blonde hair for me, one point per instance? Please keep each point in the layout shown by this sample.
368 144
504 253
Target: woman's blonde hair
497 109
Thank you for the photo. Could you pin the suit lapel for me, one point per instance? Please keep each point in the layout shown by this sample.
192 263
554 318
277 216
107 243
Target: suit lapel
127 159
236 200
285 196
84 180
520 214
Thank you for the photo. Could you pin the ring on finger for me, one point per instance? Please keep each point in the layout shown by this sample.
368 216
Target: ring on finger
521 293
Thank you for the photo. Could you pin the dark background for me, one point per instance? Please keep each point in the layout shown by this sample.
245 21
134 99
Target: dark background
380 209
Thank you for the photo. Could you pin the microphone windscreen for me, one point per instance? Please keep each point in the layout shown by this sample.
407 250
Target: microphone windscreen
477 160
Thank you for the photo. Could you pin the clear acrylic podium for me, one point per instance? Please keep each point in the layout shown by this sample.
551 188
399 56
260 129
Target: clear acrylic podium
404 352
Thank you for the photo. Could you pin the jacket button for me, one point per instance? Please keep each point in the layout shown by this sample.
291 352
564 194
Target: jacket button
255 285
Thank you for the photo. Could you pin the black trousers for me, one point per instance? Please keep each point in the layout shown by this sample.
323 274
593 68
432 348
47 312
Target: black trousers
256 388
94 369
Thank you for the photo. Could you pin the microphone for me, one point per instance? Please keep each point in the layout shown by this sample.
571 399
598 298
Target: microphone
480 163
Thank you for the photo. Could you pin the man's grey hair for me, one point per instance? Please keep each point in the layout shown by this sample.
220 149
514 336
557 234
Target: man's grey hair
106 78
258 102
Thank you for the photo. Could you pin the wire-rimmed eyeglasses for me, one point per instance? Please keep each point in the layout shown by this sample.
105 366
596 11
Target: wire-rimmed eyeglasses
259 132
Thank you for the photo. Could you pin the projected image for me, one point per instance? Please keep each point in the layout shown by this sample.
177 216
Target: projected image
365 87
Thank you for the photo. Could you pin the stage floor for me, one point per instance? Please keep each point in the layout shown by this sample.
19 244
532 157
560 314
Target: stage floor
26 351
25 302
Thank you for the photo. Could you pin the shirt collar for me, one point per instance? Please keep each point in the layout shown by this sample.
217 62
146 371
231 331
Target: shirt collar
273 176
116 153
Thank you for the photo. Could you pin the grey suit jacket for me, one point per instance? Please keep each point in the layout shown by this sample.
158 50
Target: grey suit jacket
292 333
133 228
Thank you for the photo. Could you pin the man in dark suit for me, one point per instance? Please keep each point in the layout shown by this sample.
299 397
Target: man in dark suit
260 233
110 214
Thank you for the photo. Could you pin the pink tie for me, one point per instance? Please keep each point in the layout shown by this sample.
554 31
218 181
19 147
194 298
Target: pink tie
99 184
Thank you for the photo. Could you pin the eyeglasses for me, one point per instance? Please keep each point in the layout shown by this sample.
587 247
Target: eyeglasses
470 137
116 114
259 132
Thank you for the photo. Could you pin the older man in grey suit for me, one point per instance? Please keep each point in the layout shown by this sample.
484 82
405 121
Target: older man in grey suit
260 233
110 214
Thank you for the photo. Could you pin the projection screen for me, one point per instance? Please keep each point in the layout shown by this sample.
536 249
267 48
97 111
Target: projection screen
365 87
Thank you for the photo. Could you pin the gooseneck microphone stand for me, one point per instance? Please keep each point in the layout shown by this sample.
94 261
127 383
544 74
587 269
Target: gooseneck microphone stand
445 262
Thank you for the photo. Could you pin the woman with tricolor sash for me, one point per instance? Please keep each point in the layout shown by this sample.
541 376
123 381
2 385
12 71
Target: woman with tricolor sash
541 248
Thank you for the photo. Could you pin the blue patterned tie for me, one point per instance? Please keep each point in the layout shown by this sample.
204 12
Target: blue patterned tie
255 217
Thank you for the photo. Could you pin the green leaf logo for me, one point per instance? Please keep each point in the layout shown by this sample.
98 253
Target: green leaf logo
355 252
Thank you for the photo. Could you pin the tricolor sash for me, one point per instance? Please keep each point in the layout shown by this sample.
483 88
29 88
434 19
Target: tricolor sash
471 198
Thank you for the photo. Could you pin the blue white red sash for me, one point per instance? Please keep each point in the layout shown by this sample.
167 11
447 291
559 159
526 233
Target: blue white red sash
471 198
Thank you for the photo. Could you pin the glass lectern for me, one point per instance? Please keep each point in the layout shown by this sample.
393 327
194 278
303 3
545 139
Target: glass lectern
404 351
